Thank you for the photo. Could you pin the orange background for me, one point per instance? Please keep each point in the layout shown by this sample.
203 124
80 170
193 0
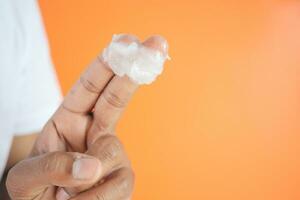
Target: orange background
222 122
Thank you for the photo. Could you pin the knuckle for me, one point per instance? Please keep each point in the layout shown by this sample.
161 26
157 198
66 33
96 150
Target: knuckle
113 147
120 185
113 99
113 141
110 142
110 150
100 196
124 183
110 153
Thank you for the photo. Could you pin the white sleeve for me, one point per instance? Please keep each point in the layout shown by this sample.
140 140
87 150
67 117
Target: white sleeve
38 94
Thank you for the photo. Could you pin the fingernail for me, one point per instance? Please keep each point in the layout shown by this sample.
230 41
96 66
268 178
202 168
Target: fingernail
62 195
85 168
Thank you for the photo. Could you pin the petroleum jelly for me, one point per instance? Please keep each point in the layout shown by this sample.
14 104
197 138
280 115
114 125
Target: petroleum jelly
141 64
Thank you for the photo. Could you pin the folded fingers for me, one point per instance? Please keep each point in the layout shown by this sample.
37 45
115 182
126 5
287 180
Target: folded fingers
118 186
109 150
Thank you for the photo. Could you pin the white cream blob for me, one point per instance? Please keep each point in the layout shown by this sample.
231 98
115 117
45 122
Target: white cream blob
141 64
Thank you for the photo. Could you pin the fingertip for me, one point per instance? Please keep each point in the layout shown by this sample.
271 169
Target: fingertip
157 42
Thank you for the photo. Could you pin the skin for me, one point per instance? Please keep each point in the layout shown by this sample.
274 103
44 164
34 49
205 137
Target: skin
77 155
20 149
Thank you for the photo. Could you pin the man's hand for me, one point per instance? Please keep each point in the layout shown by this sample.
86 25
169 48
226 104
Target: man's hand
38 177
91 109
84 123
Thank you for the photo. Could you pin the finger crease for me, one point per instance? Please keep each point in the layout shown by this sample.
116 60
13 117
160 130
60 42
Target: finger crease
73 111
114 100
89 86
62 137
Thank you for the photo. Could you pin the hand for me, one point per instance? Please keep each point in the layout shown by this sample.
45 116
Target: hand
37 177
89 112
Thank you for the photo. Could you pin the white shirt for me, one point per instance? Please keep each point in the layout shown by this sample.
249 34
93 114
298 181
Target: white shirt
29 91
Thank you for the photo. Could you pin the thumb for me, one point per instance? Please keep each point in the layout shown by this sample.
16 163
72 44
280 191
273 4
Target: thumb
32 176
